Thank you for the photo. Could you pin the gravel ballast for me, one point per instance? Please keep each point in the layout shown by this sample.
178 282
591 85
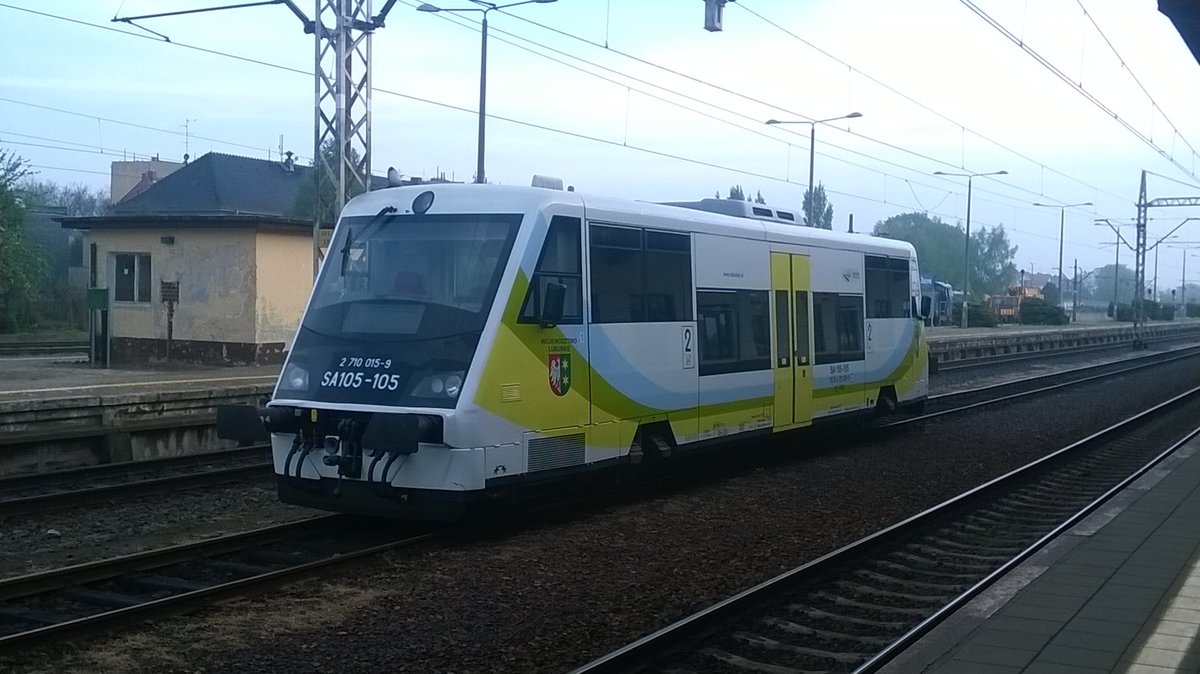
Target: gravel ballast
549 595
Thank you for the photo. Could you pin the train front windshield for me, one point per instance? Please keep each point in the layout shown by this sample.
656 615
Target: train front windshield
399 309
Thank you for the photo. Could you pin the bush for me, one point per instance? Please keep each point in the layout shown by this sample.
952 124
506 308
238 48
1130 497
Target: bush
1125 313
1110 310
1166 312
1036 311
1192 310
978 316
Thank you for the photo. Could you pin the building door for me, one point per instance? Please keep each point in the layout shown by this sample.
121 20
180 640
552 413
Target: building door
792 348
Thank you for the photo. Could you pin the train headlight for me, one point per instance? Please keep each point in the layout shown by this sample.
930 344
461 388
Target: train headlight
440 385
294 378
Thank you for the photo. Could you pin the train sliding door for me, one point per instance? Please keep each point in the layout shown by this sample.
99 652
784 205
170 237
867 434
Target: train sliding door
792 343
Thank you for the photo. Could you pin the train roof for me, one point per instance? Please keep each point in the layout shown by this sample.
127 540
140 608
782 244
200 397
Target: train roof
472 198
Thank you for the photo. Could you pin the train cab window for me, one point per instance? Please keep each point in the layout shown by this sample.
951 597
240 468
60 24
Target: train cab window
640 276
837 328
887 292
735 331
559 262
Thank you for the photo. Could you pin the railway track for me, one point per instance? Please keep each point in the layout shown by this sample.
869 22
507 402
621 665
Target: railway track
961 401
857 607
42 348
40 492
998 359
99 596
61 489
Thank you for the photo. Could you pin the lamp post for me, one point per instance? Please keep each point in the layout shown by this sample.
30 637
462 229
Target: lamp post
967 245
812 146
484 8
1062 219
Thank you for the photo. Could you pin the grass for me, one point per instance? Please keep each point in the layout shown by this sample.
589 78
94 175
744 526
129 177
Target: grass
57 334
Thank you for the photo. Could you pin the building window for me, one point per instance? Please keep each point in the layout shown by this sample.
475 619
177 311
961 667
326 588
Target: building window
837 328
559 262
888 289
735 330
640 276
132 283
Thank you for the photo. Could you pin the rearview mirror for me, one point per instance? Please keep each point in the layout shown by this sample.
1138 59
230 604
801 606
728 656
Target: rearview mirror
553 299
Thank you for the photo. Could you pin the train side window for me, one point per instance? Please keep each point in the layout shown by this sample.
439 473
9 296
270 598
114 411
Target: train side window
735 330
878 305
899 290
887 287
837 328
618 268
668 276
559 262
640 276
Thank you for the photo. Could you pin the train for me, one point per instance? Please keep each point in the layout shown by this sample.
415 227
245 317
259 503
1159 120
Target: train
464 343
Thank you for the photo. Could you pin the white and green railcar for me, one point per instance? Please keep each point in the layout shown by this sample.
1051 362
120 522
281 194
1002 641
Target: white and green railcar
468 340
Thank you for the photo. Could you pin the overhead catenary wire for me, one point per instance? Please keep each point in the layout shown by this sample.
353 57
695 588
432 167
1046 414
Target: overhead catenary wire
1134 76
299 71
1083 91
1019 202
506 119
789 111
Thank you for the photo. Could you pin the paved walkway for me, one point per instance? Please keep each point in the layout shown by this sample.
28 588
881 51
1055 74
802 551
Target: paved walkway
1120 592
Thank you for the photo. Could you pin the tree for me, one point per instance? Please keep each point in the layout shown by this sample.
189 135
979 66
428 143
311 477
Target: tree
1050 292
822 210
1101 287
758 199
940 250
992 268
306 202
22 268
77 199
736 193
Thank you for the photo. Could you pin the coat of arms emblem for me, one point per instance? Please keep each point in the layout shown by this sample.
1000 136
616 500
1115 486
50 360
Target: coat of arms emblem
560 373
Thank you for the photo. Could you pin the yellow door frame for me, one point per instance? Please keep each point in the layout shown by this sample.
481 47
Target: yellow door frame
791 343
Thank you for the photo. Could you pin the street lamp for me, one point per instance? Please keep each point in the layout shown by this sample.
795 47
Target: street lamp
484 8
812 145
967 246
1062 218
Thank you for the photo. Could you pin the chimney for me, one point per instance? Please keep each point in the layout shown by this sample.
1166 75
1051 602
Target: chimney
289 164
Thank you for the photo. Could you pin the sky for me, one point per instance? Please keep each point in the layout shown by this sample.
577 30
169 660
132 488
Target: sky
633 98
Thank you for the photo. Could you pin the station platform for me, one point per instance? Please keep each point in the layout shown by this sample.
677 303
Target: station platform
53 377
1119 592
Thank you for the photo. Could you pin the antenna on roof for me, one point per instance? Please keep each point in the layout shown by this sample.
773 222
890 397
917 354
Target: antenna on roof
186 136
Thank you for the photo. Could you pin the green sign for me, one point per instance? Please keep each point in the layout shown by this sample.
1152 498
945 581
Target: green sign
97 299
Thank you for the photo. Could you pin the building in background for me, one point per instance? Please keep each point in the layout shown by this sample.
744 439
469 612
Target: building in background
207 264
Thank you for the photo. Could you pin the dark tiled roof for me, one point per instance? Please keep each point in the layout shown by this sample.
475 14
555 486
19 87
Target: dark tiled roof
222 184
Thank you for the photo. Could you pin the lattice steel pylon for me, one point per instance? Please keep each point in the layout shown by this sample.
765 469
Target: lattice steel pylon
1143 207
342 99
342 108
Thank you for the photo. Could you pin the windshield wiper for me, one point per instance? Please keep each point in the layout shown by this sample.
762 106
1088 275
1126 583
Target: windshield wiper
350 238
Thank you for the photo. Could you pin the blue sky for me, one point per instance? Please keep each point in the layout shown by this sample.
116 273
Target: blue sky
639 101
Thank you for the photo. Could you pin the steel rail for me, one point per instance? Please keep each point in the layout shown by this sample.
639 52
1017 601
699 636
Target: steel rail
958 365
1147 362
26 480
47 347
88 495
634 656
75 576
